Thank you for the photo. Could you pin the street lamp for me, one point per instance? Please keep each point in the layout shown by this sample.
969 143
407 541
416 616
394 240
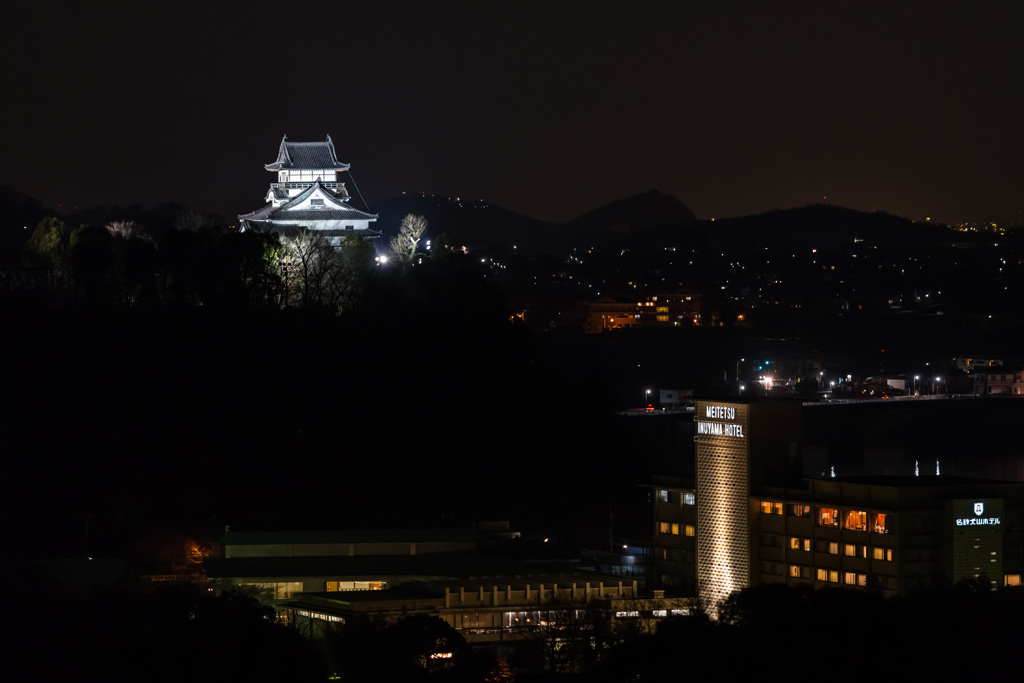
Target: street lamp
916 377
647 399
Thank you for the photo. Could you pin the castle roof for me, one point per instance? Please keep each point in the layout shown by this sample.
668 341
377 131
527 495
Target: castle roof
290 214
306 155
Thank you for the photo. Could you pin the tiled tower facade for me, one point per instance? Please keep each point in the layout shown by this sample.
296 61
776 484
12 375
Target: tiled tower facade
723 489
737 446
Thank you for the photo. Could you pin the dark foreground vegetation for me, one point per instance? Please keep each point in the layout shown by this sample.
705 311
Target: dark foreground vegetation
176 633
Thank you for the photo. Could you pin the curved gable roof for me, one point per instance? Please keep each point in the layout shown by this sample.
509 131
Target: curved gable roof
306 155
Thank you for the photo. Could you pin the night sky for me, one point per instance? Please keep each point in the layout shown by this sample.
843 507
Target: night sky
547 108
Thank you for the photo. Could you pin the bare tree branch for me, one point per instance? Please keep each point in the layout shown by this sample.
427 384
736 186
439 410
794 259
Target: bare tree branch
403 245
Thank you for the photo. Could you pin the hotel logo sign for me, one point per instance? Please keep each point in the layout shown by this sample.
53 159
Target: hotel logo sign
719 428
979 518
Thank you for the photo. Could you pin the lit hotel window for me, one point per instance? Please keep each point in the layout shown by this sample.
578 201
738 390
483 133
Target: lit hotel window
850 550
850 578
794 543
879 525
822 575
689 530
663 527
833 548
856 521
794 571
801 510
833 575
828 517
882 554
662 496
675 529
770 508
1011 580
688 499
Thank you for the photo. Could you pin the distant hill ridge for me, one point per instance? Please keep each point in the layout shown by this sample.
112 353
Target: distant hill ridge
646 220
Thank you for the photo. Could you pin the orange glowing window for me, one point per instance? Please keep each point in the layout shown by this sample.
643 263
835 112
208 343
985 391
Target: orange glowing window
879 526
856 520
828 517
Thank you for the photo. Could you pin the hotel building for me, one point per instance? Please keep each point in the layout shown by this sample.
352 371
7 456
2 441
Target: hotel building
750 517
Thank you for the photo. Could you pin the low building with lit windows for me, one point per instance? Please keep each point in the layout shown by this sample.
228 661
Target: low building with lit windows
751 518
680 308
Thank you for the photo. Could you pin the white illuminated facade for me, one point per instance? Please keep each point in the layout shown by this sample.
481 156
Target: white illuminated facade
310 193
723 489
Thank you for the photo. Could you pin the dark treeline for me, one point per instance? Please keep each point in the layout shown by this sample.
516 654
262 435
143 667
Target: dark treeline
212 388
776 632
177 632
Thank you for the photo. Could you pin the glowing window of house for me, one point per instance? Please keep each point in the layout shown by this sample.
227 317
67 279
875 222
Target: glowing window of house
688 499
770 508
662 496
661 309
833 548
888 554
801 510
822 574
878 553
659 612
828 517
663 527
850 550
1011 580
690 530
794 543
850 578
862 579
662 318
856 520
675 529
833 575
794 571
807 544
879 526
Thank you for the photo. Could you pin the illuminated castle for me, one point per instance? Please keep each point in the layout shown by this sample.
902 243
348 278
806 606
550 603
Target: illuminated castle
309 194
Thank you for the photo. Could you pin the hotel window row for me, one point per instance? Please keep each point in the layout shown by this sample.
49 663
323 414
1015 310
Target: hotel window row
834 548
684 497
854 520
673 528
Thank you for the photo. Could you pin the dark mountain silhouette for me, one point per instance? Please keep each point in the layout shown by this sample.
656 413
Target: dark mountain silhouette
646 210
476 223
473 223
822 226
